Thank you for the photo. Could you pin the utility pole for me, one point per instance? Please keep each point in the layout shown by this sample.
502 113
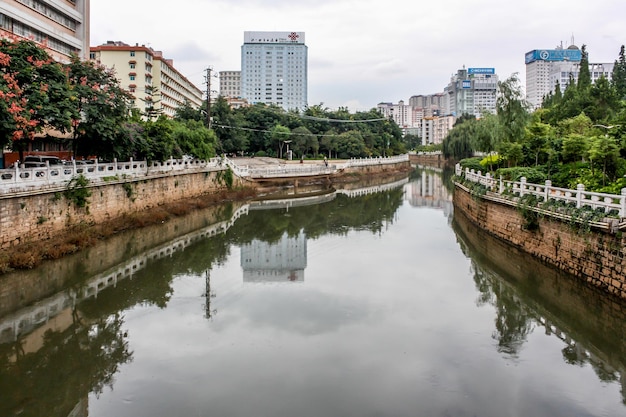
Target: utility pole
208 96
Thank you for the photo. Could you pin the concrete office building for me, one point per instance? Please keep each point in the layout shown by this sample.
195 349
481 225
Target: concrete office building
274 69
61 26
148 76
472 91
230 84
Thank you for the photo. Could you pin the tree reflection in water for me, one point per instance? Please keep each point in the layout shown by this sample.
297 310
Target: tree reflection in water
70 365
539 296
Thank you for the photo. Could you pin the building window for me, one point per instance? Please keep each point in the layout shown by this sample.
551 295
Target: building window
132 53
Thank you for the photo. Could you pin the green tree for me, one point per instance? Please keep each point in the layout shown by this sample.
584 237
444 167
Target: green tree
538 136
193 138
618 77
603 101
350 145
151 99
162 144
512 109
575 147
584 76
412 141
304 141
279 135
458 144
604 151
188 112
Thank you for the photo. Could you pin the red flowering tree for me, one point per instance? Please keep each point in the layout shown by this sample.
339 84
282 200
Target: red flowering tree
102 107
34 94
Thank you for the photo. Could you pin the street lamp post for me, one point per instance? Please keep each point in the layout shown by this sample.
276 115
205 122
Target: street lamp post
288 156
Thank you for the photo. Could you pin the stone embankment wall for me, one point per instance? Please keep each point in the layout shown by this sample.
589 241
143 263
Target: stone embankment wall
39 216
376 168
597 257
436 160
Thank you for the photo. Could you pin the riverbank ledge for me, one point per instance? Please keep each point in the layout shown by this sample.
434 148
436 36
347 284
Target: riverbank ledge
554 228
40 204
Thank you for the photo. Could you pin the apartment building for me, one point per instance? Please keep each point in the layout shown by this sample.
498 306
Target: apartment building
60 26
434 129
150 77
274 69
230 84
431 128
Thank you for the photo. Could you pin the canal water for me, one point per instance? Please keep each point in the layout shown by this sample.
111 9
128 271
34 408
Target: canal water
372 300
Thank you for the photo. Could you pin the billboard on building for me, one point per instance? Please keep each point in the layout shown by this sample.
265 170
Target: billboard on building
467 84
573 55
481 71
274 37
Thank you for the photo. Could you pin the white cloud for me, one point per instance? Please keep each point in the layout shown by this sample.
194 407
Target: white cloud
365 51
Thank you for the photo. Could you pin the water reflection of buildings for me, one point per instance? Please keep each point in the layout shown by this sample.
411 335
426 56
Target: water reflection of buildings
428 191
281 261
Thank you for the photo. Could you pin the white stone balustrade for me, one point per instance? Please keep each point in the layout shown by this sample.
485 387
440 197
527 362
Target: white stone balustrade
579 196
21 180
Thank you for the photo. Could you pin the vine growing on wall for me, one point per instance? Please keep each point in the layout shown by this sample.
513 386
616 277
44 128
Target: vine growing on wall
526 207
77 191
226 177
130 193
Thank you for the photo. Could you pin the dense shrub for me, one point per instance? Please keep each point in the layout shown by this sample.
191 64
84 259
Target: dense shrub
533 175
472 163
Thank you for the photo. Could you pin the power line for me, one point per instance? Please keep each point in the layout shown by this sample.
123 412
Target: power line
322 119
249 129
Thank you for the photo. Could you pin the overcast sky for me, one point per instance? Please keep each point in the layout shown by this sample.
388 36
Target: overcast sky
362 52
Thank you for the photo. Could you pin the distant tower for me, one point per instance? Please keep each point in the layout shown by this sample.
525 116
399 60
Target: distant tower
274 69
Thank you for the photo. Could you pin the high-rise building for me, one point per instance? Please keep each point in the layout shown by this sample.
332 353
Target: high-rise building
472 91
542 64
61 26
274 69
151 78
546 67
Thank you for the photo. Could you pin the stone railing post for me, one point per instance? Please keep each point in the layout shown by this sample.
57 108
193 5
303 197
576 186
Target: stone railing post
501 189
547 190
522 186
580 189
622 213
115 165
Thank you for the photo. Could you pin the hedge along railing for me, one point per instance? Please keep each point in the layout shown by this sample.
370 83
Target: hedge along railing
579 196
19 180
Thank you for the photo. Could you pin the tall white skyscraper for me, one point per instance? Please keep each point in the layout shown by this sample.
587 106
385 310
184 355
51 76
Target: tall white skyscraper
274 68
542 64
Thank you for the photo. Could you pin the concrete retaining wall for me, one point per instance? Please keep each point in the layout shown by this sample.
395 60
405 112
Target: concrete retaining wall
597 257
39 216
